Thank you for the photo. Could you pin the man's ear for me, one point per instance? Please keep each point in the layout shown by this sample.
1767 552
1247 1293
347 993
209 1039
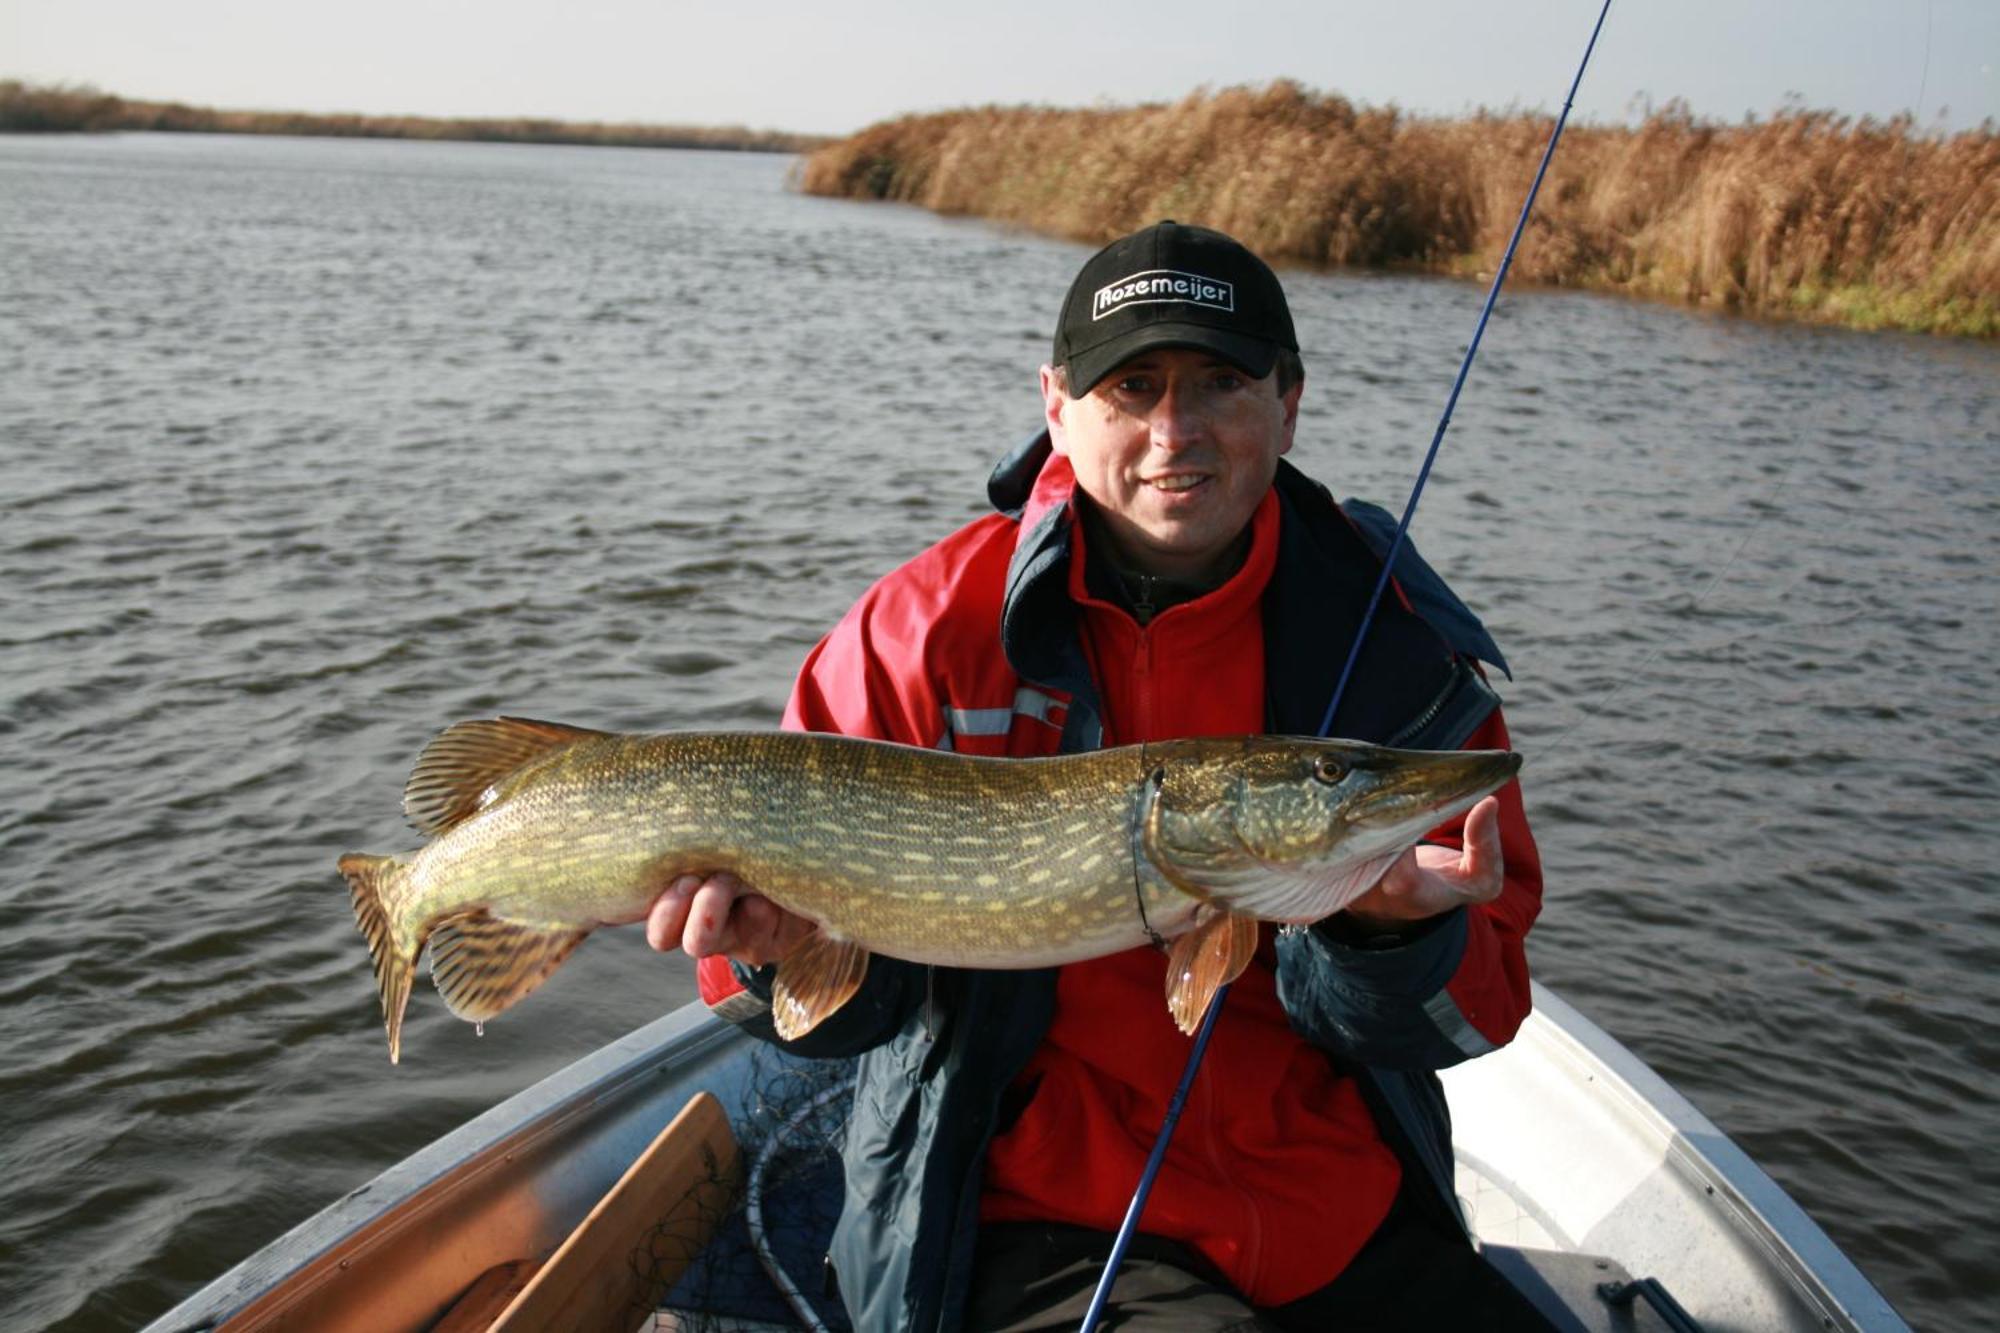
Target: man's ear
1291 402
1054 403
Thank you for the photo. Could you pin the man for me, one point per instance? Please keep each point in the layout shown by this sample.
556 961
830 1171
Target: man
1155 571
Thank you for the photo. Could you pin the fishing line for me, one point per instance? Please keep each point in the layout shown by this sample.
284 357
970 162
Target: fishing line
1130 1224
1766 505
1464 369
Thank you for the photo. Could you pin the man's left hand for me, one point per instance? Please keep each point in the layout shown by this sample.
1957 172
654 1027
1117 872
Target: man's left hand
1429 881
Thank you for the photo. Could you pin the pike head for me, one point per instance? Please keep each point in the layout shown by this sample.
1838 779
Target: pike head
1295 828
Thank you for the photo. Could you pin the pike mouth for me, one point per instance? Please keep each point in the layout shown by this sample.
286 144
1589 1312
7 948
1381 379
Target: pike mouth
1410 801
1386 822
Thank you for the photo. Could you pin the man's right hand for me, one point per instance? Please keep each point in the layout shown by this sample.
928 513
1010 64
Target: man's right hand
719 914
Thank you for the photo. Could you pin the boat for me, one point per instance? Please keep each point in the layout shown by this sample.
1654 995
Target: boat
1587 1180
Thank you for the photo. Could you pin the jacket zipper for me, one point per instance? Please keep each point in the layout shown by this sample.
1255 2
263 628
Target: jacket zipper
1430 713
1142 671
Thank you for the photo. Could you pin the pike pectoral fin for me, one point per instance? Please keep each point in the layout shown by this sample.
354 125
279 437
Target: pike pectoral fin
813 981
483 963
455 771
1206 959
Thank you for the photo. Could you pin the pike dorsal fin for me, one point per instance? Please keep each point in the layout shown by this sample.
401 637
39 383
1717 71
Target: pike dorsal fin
483 963
458 768
813 981
1206 959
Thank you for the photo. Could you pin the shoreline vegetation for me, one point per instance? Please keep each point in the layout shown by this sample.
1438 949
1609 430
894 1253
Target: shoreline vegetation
29 108
1805 215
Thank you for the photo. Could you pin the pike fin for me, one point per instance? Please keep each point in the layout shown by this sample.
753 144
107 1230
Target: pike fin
813 981
1300 894
367 878
1206 959
482 963
460 766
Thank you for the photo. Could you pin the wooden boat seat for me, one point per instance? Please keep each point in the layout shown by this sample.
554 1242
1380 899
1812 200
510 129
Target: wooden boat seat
608 1276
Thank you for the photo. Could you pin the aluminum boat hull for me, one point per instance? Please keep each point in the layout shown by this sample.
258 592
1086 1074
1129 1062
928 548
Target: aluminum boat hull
1574 1158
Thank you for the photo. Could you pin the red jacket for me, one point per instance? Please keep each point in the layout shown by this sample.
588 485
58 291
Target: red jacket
919 660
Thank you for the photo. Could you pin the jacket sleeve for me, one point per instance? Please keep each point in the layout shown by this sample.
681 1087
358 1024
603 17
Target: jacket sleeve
1454 987
863 679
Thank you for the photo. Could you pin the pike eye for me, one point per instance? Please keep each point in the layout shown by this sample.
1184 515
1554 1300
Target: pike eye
1329 770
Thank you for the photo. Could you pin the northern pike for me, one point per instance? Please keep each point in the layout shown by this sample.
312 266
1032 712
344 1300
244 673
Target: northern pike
542 832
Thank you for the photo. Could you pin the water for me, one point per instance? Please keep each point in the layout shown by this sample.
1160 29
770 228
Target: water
310 447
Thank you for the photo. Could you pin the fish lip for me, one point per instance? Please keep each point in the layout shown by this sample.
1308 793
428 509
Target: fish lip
1466 772
1477 773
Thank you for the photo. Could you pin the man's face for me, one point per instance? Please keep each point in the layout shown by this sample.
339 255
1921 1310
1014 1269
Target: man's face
1176 447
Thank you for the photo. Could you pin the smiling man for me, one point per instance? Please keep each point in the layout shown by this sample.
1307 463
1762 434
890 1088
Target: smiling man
1154 570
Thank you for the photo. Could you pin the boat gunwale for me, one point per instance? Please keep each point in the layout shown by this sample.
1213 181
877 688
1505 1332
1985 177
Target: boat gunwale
1762 1212
294 1266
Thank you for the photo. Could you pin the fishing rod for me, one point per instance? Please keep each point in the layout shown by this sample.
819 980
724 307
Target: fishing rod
1761 506
1137 1207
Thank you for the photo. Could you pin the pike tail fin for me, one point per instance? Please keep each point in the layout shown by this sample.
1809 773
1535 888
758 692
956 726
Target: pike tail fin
1206 959
371 881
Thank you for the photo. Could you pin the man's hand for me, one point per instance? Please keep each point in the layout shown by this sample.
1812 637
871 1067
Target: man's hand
719 914
1429 881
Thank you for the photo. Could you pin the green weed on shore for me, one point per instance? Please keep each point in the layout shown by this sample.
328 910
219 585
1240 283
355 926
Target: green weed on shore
1805 215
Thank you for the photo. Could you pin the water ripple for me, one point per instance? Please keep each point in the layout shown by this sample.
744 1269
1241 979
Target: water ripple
311 449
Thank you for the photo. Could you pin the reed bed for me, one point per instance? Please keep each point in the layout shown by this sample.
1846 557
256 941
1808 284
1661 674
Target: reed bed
30 108
1805 215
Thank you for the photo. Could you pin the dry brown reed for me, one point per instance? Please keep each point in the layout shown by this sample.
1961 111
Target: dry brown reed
1807 214
27 107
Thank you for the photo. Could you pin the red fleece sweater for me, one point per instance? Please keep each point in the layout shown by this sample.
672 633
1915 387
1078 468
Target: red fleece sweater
1276 1172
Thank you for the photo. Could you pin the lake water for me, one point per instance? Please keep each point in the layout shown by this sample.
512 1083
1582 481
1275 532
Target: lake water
308 448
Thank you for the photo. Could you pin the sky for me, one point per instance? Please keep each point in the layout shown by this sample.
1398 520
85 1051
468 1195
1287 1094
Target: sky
834 66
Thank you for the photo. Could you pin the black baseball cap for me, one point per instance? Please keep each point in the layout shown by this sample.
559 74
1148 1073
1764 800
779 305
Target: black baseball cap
1172 285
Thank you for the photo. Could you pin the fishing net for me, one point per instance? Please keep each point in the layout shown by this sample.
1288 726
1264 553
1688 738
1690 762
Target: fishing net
765 1264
